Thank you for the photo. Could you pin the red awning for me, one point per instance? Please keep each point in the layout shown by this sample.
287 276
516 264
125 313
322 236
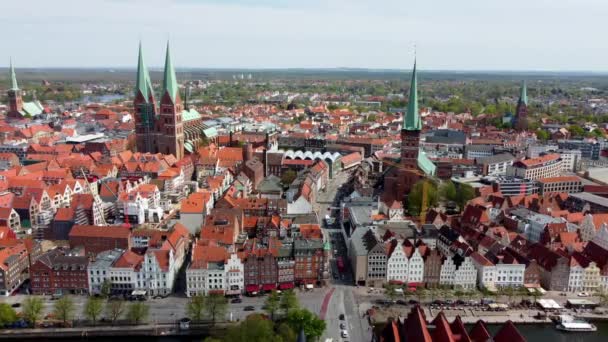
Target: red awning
395 282
269 287
252 288
286 286
411 289
415 284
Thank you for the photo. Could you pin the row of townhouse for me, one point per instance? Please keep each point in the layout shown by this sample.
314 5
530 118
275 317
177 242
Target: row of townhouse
146 259
257 265
377 260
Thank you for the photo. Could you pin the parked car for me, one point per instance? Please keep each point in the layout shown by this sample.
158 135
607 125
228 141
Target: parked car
16 305
342 326
344 334
249 308
583 294
401 302
413 302
341 317
236 300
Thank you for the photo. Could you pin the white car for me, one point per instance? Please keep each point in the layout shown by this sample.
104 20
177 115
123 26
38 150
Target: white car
583 294
344 334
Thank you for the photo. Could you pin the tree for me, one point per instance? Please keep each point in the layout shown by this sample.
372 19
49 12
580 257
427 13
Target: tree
447 191
288 177
215 305
138 312
286 333
509 291
465 193
421 294
7 314
576 130
542 135
32 309
602 296
390 292
289 301
196 308
272 304
106 288
115 309
414 199
64 309
93 308
255 328
302 319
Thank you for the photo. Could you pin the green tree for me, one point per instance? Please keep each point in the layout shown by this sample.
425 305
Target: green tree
447 191
602 295
93 309
138 312
106 288
288 177
576 130
255 328
391 292
465 193
286 333
114 309
216 306
273 303
196 308
7 314
64 309
302 319
414 199
32 309
289 301
542 135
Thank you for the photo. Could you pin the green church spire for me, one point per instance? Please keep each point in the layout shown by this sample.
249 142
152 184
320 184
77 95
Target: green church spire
14 85
523 96
169 81
143 78
411 120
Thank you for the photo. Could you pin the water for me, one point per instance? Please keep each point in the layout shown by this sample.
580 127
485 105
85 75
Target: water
102 98
532 332
546 332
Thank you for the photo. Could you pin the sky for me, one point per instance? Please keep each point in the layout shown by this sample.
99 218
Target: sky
527 35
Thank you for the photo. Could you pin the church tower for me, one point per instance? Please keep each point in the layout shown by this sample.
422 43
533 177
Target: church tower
411 127
521 115
15 102
145 108
170 129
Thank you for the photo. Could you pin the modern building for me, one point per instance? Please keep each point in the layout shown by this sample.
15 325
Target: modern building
496 165
568 184
589 149
549 165
514 186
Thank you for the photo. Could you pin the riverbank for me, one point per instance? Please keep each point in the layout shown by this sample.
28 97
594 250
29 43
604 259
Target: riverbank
150 330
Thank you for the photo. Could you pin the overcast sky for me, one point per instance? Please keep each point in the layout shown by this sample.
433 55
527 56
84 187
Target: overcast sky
449 34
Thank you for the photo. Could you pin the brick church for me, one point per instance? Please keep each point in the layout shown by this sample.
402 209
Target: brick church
414 164
171 127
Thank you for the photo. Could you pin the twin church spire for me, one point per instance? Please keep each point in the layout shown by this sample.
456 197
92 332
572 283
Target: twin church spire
144 84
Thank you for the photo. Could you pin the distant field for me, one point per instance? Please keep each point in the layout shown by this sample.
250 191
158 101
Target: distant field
121 75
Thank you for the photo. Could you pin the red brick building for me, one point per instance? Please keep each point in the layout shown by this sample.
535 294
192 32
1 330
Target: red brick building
308 255
96 239
58 272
